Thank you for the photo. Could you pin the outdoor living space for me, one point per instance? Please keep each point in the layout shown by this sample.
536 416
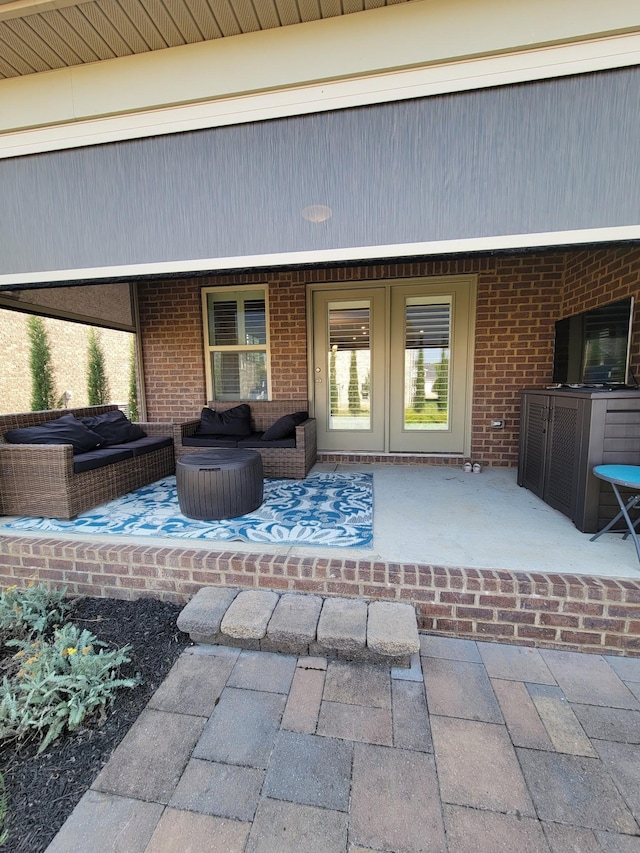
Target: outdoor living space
424 514
478 555
381 215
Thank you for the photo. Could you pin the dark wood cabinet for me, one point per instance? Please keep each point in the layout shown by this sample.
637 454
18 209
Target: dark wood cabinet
563 434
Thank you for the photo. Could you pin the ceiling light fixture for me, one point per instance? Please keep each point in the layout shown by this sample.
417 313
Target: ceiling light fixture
317 213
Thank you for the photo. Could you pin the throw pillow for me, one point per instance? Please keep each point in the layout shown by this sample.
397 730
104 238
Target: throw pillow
64 430
285 427
235 421
114 427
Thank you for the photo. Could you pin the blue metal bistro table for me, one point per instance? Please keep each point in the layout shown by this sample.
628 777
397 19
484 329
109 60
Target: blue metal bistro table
629 477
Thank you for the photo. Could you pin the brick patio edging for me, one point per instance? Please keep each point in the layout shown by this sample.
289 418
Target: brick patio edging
572 612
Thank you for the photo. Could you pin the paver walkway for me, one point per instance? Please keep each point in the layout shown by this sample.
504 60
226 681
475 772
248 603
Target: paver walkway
478 748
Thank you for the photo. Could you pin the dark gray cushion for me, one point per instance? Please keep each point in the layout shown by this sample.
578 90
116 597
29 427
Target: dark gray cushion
63 430
285 427
256 439
235 421
145 445
99 458
209 441
114 427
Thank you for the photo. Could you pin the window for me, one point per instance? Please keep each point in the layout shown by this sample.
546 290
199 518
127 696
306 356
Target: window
427 354
236 343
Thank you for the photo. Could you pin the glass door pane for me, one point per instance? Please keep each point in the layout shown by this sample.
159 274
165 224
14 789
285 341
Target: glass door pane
427 334
349 367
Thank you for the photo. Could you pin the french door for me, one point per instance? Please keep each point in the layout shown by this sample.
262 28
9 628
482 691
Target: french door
349 368
392 366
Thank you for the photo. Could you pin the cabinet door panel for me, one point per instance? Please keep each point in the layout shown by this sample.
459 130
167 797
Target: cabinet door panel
533 442
561 476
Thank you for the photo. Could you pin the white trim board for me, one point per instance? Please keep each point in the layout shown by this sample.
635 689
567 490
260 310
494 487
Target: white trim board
538 64
365 254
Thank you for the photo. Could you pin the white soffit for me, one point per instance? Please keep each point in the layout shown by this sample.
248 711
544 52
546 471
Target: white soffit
367 254
518 67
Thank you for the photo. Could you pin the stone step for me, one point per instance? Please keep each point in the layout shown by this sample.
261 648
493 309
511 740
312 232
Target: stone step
300 624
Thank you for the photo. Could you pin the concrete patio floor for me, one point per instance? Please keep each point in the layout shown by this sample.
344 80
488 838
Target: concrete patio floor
438 515
478 748
442 516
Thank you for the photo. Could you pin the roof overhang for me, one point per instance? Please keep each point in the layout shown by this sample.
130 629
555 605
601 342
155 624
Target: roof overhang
540 63
331 257
119 154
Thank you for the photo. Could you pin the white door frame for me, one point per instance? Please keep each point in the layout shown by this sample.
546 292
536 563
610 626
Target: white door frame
464 287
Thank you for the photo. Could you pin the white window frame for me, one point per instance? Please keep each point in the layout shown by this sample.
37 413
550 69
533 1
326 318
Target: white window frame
240 348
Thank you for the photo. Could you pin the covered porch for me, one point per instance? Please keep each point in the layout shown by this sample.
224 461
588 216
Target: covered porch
437 516
437 199
478 556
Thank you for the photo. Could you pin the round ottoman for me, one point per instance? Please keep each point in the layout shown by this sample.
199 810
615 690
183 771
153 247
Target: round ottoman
215 484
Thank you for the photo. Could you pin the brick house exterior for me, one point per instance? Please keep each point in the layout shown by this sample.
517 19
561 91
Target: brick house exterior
98 185
519 300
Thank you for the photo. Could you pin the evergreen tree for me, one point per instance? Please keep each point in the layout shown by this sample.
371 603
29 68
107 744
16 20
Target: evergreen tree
354 385
418 396
133 383
333 382
97 384
441 385
43 394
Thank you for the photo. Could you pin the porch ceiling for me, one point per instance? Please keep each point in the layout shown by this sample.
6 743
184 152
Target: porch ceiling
42 35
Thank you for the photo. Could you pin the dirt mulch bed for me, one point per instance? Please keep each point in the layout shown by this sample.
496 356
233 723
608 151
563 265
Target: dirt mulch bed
42 790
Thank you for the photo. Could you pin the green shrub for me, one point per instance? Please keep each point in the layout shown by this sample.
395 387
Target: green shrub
353 392
32 610
97 382
59 684
134 413
430 414
43 395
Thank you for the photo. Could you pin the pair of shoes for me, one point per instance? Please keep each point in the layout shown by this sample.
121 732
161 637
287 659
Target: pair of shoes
467 467
477 468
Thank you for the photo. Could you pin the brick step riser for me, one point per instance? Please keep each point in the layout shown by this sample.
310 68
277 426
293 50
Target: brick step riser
572 612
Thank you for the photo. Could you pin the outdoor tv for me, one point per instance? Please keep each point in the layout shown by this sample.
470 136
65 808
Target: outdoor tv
592 348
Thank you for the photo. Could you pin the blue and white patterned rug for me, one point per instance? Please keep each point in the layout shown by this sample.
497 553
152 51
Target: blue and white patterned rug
324 509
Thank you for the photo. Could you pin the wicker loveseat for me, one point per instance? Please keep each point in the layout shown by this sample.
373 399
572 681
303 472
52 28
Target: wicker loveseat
47 480
293 461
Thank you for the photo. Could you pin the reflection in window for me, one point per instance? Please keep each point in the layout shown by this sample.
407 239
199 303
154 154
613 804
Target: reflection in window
426 365
350 367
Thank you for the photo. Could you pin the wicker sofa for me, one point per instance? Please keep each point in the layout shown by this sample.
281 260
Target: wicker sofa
43 480
293 462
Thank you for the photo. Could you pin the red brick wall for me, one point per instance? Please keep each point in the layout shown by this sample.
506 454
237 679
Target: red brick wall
526 608
518 303
173 344
172 352
288 336
519 299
